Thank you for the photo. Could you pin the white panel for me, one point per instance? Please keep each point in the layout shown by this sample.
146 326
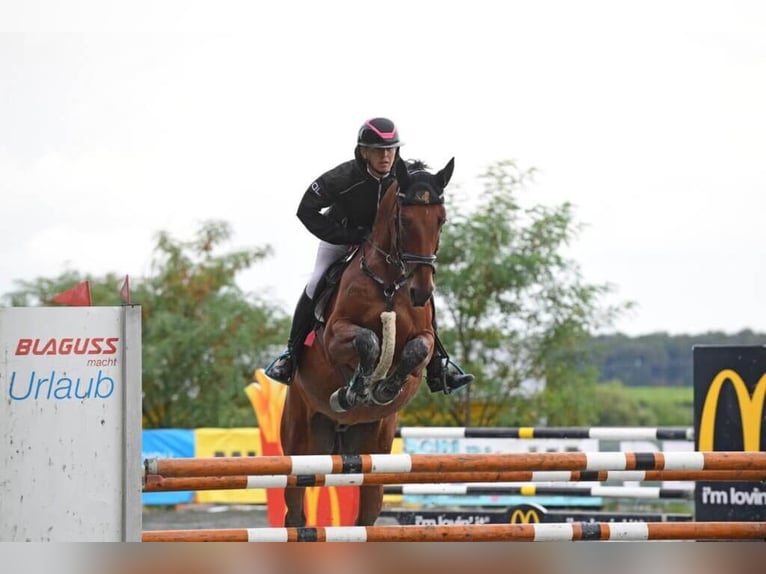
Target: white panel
68 472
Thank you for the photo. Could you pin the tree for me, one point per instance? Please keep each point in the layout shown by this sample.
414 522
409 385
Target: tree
514 310
658 359
202 337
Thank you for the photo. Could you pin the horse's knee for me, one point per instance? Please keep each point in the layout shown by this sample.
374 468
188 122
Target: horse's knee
367 346
415 352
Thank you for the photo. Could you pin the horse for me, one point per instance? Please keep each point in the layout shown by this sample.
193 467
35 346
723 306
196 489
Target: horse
366 360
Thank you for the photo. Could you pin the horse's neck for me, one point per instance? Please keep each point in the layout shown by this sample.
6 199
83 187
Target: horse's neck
383 229
381 257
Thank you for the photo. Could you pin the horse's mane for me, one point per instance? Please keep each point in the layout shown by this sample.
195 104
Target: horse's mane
414 165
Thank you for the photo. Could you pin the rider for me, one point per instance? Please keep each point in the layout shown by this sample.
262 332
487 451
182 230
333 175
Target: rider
349 194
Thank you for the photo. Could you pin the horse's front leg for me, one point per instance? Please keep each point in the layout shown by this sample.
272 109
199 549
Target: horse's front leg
350 343
370 504
370 438
414 356
294 513
302 433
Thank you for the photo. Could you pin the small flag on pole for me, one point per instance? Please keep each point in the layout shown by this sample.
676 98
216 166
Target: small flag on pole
77 296
125 290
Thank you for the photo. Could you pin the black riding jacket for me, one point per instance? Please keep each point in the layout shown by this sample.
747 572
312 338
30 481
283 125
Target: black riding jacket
350 195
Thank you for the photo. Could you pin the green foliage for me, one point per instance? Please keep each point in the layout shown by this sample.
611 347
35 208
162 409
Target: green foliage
657 359
668 406
514 310
618 405
202 337
614 406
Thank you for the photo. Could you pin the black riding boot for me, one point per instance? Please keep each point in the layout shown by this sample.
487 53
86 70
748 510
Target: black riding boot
442 375
281 369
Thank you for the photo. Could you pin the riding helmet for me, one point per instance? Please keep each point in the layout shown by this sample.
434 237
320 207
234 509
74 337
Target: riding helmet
378 132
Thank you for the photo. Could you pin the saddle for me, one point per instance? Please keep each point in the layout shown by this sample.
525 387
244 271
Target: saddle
306 325
328 283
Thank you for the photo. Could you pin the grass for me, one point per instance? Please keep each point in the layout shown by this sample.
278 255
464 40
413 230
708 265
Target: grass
669 406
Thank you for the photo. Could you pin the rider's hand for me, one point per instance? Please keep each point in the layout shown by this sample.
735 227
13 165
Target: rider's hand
356 235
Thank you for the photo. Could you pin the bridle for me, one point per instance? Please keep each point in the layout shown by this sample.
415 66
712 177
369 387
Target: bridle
396 258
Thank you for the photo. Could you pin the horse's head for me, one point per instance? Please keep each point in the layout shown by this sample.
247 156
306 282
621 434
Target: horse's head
420 216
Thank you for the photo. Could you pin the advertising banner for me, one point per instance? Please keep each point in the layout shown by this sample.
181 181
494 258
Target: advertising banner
70 379
729 391
211 442
521 514
167 443
431 445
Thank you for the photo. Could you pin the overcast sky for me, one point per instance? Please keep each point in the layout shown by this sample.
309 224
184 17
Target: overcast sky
122 119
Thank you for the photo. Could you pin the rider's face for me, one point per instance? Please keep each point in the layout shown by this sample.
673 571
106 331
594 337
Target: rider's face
379 160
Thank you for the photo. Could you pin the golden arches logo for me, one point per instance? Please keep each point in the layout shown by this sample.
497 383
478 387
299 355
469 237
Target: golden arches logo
311 504
525 516
750 410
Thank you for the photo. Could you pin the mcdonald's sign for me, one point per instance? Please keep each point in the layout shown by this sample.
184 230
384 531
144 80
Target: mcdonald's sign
750 410
321 516
526 514
729 395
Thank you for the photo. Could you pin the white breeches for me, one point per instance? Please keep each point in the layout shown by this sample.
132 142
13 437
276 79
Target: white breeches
327 254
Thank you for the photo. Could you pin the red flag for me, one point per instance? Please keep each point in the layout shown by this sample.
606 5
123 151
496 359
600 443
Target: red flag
77 296
125 290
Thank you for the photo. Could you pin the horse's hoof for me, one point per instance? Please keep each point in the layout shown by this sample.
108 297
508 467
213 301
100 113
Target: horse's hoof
339 401
382 401
379 403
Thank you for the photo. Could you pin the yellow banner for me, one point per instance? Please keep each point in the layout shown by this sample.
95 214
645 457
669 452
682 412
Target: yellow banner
229 442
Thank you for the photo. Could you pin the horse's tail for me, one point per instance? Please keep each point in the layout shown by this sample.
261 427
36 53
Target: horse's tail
388 318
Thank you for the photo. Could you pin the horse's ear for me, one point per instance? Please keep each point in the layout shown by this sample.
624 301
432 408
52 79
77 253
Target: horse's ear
402 175
446 173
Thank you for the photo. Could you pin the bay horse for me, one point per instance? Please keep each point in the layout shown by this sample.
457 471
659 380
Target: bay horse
365 363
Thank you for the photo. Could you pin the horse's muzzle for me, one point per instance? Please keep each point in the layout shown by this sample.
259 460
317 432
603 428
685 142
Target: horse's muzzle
420 297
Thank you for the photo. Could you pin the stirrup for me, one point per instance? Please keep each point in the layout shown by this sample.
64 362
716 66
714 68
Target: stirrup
457 375
455 382
451 378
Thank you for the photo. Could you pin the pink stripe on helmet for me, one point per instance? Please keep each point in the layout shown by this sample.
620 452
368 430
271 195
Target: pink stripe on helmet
384 135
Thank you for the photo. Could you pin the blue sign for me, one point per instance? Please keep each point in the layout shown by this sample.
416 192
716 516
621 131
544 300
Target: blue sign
167 443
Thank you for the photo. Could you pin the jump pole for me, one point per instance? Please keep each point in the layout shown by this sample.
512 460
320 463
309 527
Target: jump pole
600 433
388 463
564 532
157 483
